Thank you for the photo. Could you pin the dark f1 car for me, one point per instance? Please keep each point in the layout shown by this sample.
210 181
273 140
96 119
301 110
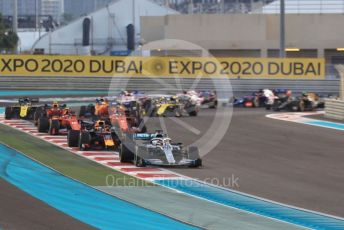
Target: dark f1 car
23 110
157 149
168 106
208 98
98 135
306 102
261 98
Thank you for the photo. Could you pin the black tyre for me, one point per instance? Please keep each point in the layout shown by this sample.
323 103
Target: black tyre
43 125
31 113
125 154
213 106
82 111
139 162
143 129
73 138
38 114
116 139
194 155
177 112
8 113
302 106
84 139
193 113
54 127
256 102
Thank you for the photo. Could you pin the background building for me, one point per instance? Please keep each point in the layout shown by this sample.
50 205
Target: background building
107 30
54 8
78 8
31 8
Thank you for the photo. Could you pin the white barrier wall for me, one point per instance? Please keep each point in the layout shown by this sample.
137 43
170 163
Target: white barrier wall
334 109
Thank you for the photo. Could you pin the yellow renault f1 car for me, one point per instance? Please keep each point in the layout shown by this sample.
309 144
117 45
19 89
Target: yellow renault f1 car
25 109
174 106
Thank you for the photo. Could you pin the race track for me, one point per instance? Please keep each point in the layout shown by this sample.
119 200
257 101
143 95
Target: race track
20 211
291 163
286 162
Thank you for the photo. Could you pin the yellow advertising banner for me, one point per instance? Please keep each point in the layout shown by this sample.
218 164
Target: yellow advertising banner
111 66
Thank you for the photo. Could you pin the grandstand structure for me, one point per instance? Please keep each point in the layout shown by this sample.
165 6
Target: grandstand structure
213 6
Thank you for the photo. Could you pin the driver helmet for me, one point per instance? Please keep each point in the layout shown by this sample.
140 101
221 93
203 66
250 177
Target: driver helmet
99 124
55 105
157 141
167 141
66 111
289 93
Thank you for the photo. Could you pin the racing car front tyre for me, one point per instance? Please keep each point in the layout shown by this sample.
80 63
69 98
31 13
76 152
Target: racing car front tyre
43 125
125 154
193 113
139 162
194 155
8 113
73 138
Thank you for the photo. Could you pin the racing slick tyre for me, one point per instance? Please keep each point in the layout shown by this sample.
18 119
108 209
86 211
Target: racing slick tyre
139 156
213 106
125 154
73 138
177 112
8 113
115 138
54 127
294 107
38 114
194 155
143 129
31 113
193 113
43 125
84 140
139 162
302 106
256 102
82 111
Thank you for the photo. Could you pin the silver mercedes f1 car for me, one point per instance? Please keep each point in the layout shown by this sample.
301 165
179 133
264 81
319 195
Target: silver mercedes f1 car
158 149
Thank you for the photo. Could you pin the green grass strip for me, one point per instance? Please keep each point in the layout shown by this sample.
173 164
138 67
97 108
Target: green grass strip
65 162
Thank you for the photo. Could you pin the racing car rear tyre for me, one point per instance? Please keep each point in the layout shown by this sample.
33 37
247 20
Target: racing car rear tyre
194 155
43 125
8 113
54 127
82 111
125 154
73 138
193 114
38 114
85 139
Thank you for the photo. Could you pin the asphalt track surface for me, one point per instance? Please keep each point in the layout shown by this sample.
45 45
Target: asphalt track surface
18 210
286 162
291 163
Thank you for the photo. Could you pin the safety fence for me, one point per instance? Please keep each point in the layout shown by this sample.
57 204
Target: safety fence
166 84
334 109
